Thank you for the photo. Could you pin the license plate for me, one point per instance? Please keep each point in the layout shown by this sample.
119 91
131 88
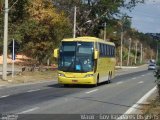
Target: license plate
74 81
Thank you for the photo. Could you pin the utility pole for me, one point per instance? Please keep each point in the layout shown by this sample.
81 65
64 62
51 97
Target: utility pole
74 28
121 49
157 53
141 59
105 31
121 54
5 41
122 35
130 40
135 60
13 57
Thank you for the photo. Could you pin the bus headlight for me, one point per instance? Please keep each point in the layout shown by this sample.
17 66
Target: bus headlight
89 75
61 74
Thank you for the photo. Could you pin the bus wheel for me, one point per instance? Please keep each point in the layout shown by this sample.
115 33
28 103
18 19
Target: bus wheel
95 85
109 79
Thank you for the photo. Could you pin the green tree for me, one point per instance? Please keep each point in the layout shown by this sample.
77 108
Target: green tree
43 29
98 11
38 26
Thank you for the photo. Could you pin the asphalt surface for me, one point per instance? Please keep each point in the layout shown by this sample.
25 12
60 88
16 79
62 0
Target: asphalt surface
50 100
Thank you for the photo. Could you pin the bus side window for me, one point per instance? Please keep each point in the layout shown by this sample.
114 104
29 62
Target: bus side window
113 51
102 52
109 53
107 50
96 46
99 49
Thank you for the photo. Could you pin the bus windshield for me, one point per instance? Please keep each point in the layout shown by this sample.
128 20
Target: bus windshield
76 57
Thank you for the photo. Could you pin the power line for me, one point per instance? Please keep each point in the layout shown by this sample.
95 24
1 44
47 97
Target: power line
13 4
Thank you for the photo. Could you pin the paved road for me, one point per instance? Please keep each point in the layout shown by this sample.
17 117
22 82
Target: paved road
47 98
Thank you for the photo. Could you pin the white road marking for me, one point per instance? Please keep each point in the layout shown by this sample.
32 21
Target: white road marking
142 75
133 78
141 82
132 109
4 96
119 83
29 110
33 90
91 91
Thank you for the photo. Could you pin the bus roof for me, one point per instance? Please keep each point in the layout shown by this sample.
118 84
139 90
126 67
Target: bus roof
87 39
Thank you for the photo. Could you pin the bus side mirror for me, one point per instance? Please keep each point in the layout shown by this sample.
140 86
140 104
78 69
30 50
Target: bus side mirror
56 51
96 54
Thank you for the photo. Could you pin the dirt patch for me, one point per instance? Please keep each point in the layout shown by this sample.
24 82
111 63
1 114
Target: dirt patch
19 58
27 71
26 77
151 110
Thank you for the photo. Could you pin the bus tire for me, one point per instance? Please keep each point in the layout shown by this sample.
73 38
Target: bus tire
109 78
97 83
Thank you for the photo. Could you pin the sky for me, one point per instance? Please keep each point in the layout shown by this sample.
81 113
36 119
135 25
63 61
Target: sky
146 17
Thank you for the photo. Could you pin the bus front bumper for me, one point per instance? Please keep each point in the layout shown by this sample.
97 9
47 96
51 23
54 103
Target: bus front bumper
87 80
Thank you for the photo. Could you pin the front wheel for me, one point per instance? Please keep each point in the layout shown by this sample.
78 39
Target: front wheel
97 83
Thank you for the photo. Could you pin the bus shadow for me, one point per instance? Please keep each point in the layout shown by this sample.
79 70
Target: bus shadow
55 86
77 85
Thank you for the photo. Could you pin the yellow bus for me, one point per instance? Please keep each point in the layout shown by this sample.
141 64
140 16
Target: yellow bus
85 60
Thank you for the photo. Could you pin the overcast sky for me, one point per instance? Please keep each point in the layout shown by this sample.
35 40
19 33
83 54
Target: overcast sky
146 17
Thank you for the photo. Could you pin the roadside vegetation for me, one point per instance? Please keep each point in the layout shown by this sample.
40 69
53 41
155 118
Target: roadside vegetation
153 106
152 109
39 26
